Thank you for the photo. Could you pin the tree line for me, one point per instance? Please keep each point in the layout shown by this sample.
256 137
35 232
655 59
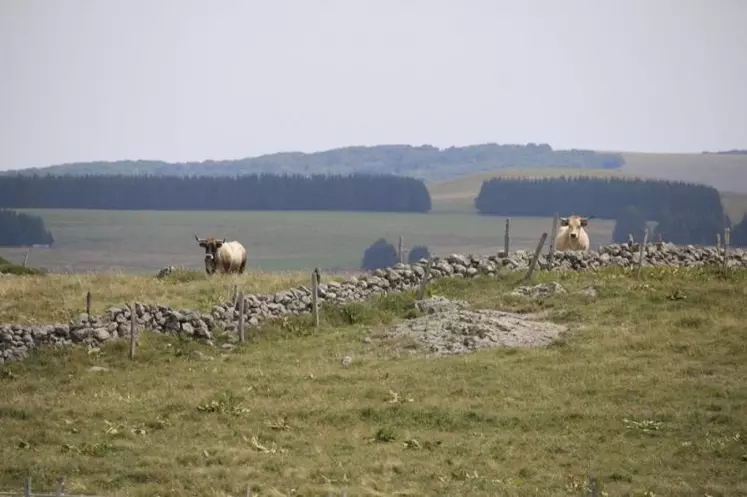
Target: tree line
20 229
359 192
424 162
686 213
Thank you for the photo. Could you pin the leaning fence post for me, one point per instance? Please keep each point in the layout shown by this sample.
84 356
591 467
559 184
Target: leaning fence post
551 254
133 325
506 237
424 280
248 492
640 255
26 258
535 258
315 297
400 250
242 306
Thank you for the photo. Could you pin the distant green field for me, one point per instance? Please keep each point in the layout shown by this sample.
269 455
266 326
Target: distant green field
137 241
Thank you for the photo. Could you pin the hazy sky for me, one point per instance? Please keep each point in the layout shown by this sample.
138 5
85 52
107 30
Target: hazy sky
221 79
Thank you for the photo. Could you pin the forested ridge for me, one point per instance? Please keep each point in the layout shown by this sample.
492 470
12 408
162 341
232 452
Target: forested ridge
423 162
358 192
686 213
20 229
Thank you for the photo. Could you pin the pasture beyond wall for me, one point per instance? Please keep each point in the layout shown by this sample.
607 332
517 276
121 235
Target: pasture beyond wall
16 341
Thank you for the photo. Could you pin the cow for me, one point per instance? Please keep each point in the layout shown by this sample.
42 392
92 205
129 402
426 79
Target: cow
572 235
222 256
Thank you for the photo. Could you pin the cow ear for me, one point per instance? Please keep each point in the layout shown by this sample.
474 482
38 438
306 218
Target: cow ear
564 221
585 222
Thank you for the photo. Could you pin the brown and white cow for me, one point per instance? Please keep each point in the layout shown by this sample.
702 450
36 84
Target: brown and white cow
572 235
222 256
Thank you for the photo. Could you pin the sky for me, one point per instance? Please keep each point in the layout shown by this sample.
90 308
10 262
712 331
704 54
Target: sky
189 80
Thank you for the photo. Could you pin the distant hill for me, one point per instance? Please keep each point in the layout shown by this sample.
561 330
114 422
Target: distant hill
423 162
725 172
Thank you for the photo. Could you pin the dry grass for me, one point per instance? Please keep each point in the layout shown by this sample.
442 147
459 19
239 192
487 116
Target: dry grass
56 298
647 392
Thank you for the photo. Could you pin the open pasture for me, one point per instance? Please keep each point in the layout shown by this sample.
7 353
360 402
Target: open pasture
146 241
646 391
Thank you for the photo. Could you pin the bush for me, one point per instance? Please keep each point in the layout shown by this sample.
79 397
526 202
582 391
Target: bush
630 221
418 252
381 254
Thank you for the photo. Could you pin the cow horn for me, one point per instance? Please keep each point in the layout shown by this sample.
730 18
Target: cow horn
197 238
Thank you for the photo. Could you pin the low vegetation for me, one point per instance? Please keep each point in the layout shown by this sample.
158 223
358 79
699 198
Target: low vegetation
646 391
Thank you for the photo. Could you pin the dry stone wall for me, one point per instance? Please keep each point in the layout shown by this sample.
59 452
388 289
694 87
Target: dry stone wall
16 341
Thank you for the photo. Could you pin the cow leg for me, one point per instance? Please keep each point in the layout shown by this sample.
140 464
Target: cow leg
242 266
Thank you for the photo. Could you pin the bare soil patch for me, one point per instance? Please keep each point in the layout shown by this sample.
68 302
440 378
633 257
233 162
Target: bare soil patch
452 327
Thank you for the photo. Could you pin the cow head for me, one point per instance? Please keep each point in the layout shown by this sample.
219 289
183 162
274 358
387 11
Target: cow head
211 246
574 224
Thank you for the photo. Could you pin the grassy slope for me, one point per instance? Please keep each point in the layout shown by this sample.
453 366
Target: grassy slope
724 172
647 392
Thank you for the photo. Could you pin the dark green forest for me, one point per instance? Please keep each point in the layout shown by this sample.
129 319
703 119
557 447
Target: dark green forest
686 213
422 162
360 192
18 229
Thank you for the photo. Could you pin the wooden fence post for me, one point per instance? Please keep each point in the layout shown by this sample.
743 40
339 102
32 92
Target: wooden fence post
640 255
133 325
88 306
535 258
593 486
235 295
60 486
727 242
248 492
718 242
551 254
242 306
400 250
26 257
506 237
27 490
424 281
315 297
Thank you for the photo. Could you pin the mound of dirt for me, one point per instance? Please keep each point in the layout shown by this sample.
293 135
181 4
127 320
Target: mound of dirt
450 327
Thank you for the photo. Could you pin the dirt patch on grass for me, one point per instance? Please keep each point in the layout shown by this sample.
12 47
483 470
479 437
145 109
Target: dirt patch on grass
451 327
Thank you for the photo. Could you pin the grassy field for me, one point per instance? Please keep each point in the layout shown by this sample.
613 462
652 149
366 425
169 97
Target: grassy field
647 390
146 241
727 173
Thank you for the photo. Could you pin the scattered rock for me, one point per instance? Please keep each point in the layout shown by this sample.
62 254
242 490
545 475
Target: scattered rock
541 290
165 272
589 291
98 369
347 361
456 330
